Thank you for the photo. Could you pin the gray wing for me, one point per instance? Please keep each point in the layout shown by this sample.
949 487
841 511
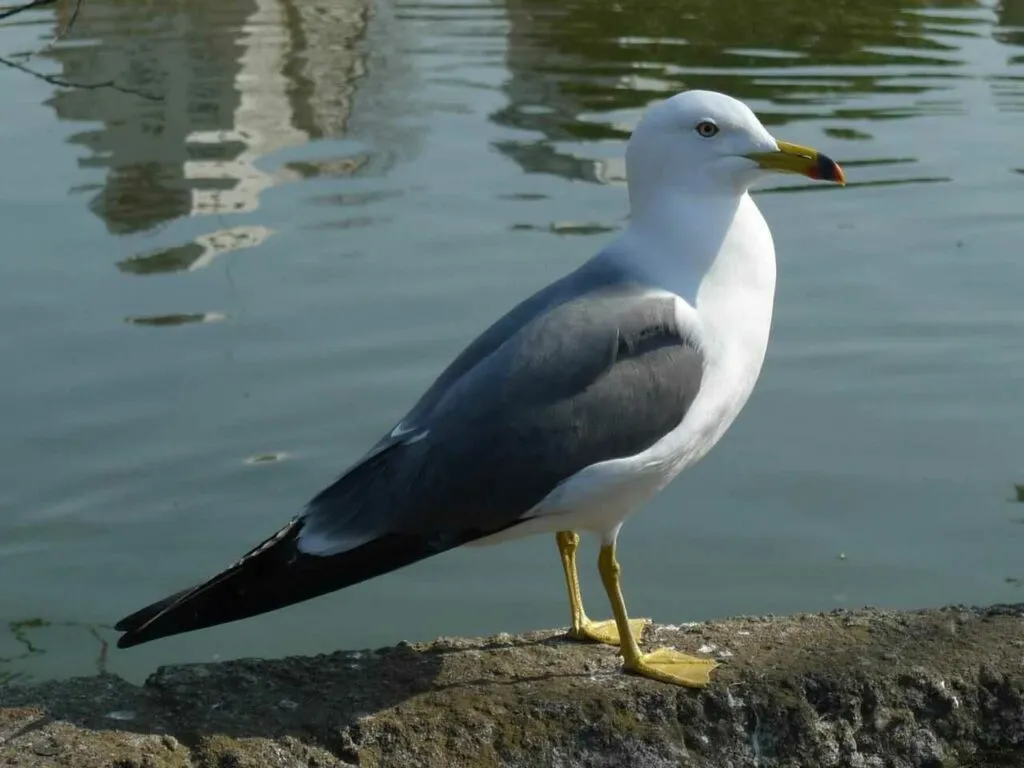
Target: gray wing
586 371
600 376
595 275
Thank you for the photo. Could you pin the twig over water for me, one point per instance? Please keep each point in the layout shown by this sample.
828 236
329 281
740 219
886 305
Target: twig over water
62 83
67 27
26 7
53 79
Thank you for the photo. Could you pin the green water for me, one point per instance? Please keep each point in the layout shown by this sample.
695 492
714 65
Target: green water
210 303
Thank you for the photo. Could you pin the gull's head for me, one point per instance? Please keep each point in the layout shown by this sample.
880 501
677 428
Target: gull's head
708 142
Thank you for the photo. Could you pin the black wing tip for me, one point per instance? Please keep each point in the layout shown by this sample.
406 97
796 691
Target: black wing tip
275 575
145 633
132 627
129 640
160 619
134 632
154 622
133 622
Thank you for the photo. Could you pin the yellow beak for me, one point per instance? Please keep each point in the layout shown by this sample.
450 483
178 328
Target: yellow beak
792 158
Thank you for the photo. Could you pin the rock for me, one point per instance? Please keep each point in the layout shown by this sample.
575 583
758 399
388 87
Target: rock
867 689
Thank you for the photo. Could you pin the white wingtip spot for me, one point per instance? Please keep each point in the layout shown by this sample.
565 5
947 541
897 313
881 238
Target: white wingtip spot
417 438
401 430
324 544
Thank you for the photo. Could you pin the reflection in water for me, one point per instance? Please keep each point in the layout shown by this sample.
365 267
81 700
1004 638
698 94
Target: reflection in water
197 254
847 134
145 145
580 66
801 187
331 167
266 458
239 79
1011 26
565 228
1008 88
158 321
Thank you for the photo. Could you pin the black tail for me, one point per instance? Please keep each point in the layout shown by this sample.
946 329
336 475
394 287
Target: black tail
271 576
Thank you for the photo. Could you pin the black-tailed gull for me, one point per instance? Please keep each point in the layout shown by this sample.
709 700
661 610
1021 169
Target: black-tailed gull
573 409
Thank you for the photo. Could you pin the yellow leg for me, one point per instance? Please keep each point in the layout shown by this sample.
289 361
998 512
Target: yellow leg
664 664
583 628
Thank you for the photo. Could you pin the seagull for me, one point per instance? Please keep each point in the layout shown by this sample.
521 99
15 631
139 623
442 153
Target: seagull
570 412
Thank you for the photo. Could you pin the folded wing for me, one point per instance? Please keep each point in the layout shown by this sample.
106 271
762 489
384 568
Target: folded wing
592 376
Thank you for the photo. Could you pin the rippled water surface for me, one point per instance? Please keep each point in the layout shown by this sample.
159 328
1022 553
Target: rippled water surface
218 289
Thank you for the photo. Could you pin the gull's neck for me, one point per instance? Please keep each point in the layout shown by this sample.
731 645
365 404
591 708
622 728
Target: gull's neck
679 240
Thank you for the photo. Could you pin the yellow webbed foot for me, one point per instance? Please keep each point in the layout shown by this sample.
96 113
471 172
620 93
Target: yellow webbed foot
670 666
605 631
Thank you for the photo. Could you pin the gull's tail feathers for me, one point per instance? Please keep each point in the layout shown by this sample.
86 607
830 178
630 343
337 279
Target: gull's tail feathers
273 575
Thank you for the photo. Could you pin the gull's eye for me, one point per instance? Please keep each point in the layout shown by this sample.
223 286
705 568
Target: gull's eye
707 129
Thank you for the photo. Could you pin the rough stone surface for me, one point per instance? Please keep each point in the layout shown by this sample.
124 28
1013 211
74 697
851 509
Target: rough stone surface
866 689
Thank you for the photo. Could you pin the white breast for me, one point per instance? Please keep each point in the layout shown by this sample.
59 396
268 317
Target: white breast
733 307
728 305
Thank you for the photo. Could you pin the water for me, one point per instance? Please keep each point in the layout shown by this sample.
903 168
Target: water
211 303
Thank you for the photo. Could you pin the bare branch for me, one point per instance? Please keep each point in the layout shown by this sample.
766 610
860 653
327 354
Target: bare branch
60 33
67 27
26 7
53 79
62 83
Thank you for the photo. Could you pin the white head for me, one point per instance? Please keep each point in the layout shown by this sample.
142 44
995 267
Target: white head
709 143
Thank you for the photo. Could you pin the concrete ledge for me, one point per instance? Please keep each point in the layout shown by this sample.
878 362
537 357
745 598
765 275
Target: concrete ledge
880 689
